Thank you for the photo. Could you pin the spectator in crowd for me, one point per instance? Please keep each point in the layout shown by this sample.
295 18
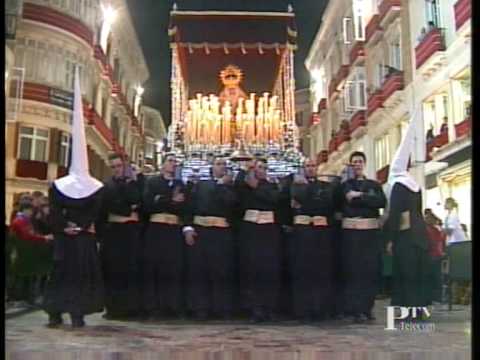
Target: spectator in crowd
430 135
452 225
422 35
444 127
26 246
436 250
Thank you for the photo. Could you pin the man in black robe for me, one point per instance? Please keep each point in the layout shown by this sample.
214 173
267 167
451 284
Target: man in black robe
121 241
164 202
260 250
361 247
209 237
312 262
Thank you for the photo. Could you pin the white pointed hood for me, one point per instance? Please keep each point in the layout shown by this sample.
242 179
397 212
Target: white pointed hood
78 183
398 172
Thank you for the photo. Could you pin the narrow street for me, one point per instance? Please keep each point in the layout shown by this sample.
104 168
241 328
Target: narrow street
26 335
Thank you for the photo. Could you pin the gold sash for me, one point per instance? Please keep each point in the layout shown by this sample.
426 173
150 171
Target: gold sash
405 220
211 221
165 218
307 220
259 217
360 224
114 218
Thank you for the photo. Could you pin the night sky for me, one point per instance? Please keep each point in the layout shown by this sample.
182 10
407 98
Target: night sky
151 18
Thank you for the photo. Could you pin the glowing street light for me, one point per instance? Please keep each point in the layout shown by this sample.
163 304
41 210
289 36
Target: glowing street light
140 90
109 14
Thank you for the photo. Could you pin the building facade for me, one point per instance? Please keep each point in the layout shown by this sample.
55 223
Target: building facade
376 64
47 40
155 135
303 111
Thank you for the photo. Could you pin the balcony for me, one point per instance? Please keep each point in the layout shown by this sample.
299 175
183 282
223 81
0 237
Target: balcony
337 81
102 58
382 174
322 157
463 12
332 145
357 54
374 31
97 122
51 17
32 169
314 119
429 54
357 121
464 128
115 89
375 101
392 84
441 139
389 10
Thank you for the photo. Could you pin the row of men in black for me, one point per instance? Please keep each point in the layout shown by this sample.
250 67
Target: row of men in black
203 237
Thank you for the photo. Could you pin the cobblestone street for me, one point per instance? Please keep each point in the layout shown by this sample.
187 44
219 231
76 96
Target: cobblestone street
28 338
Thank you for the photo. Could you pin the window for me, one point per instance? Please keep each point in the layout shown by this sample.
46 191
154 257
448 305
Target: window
465 98
64 150
433 13
33 144
347 32
30 60
358 19
380 74
382 152
355 92
396 54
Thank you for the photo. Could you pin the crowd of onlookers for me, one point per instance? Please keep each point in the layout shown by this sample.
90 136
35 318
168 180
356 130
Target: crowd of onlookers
28 248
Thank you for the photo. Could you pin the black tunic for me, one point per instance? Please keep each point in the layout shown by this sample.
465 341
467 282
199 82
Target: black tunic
260 250
411 262
210 259
164 248
361 249
312 261
121 248
76 284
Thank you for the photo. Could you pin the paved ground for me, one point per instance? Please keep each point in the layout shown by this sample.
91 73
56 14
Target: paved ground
27 338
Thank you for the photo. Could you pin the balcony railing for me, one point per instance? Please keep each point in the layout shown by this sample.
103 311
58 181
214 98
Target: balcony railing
57 19
357 52
463 12
32 169
433 41
393 82
375 101
388 10
314 119
441 139
357 121
382 174
102 58
373 29
463 128
97 122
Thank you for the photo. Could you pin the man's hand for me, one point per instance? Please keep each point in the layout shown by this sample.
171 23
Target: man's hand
390 248
353 194
177 196
227 179
295 204
71 231
298 179
48 238
190 237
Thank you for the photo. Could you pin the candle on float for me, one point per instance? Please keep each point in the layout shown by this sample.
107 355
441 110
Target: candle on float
226 115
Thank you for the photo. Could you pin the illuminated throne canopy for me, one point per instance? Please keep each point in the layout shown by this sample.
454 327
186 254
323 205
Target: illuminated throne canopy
253 103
